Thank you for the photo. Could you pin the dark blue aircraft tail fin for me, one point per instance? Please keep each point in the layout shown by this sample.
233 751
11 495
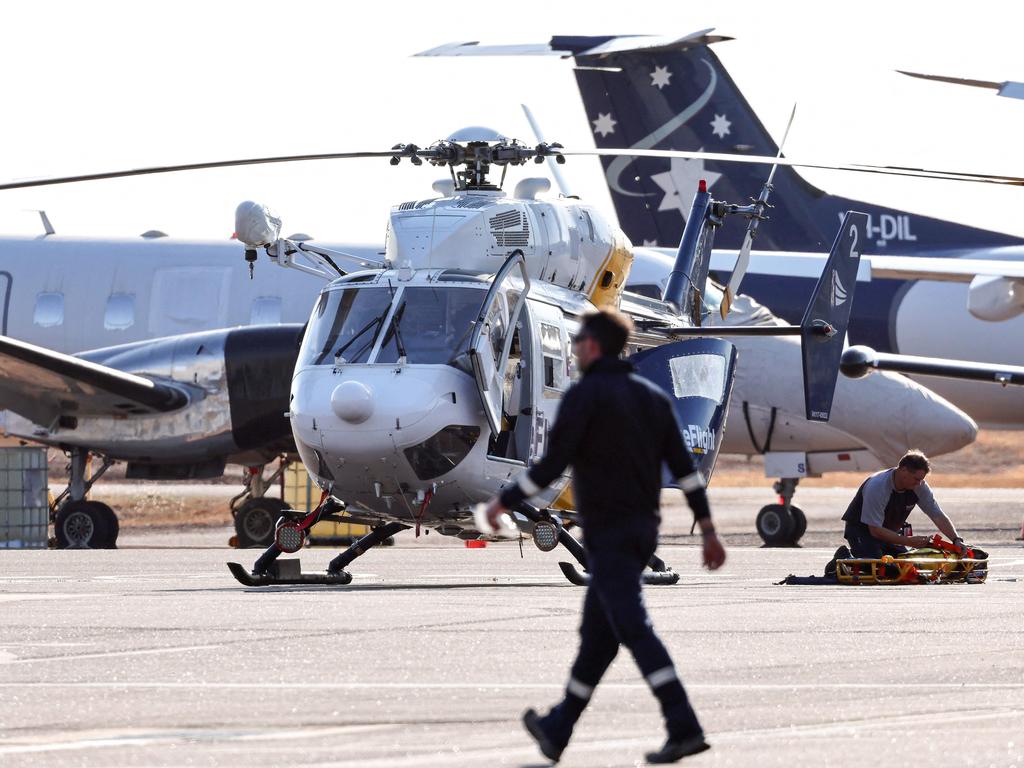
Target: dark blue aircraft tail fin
679 96
824 324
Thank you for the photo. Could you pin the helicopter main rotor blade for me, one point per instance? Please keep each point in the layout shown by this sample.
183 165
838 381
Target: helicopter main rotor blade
890 170
417 154
194 167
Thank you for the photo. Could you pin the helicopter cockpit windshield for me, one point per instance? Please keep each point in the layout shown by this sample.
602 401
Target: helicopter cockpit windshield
428 324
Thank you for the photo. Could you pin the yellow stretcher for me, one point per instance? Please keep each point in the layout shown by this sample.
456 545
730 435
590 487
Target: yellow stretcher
918 566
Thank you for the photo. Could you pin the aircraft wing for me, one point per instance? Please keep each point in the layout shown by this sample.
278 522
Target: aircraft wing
947 269
1009 88
944 268
42 385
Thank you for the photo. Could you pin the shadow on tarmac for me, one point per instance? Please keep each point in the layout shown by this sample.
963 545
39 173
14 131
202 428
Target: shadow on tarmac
300 588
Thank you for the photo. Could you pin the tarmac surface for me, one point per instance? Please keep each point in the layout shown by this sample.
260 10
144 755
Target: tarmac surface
152 655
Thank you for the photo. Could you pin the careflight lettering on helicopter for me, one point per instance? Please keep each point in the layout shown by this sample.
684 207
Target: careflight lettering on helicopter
699 439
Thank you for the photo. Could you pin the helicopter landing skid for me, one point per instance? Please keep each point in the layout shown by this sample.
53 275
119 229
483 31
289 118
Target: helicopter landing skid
572 573
286 572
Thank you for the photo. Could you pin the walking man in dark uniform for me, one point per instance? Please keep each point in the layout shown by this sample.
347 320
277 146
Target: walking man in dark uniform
876 516
617 430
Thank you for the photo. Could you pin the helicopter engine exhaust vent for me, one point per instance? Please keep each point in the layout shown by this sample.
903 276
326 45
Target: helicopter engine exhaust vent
504 228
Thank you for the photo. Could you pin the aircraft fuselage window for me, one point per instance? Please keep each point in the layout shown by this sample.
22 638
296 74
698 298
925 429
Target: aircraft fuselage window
120 313
698 376
434 325
49 309
266 310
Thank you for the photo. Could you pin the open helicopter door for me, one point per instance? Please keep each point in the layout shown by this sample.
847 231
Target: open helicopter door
492 334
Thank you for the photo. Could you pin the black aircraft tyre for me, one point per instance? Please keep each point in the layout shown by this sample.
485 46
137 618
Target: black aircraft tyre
255 521
775 525
799 524
82 525
112 523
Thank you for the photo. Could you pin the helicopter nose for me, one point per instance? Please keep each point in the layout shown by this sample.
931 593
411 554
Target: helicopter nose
352 401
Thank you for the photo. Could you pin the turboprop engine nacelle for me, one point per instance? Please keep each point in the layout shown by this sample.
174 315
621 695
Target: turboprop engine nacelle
255 225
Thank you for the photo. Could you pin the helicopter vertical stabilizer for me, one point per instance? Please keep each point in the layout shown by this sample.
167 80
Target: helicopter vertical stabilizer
823 328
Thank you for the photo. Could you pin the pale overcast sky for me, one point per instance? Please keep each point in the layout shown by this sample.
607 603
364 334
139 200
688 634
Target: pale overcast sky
105 85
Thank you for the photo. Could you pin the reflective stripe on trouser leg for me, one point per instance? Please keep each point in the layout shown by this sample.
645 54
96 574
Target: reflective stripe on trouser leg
579 689
662 676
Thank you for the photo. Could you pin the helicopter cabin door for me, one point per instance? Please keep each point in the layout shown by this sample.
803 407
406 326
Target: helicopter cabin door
492 334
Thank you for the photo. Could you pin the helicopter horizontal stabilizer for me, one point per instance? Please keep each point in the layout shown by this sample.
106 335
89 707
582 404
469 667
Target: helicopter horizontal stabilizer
823 328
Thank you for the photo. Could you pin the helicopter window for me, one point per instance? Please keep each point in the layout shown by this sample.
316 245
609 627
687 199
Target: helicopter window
650 290
431 325
344 324
553 351
441 453
461 276
698 376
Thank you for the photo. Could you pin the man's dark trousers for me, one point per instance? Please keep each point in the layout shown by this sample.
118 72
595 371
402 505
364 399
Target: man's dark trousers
866 546
614 614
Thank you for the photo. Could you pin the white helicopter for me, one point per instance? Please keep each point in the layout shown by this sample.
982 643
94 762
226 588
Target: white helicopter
425 384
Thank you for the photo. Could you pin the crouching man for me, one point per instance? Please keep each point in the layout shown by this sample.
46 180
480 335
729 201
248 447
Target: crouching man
875 518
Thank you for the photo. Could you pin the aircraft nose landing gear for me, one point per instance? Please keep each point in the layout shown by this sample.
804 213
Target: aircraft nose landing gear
783 524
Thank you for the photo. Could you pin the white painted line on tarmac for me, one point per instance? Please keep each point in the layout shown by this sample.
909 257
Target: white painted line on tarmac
104 655
495 686
15 597
189 735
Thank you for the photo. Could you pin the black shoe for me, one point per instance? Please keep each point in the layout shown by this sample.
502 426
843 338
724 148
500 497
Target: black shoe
548 748
843 553
674 749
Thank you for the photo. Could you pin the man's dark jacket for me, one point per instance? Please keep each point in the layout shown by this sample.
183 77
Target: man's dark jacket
616 429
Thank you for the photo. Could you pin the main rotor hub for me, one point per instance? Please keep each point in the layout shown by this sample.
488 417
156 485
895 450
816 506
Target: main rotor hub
476 156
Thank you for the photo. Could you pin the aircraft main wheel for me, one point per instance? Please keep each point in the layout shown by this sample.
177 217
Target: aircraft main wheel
82 525
799 524
255 521
775 525
112 524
